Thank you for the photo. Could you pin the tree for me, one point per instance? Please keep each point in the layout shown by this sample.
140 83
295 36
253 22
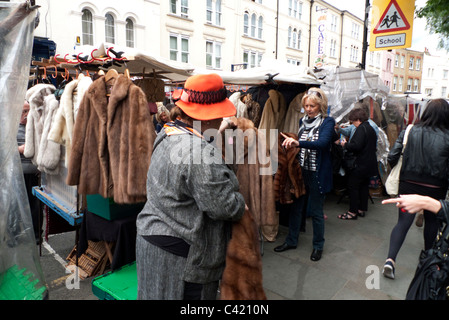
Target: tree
436 13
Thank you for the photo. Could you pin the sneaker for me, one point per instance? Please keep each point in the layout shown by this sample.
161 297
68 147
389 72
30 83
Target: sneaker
388 271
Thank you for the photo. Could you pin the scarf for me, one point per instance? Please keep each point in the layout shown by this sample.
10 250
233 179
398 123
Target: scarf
311 125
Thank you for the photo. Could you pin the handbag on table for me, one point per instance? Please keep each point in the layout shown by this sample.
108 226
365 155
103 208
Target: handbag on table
392 183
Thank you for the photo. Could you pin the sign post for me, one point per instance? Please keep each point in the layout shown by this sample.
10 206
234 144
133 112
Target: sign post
392 24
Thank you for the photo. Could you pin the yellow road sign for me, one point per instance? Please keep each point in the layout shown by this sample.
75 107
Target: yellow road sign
391 24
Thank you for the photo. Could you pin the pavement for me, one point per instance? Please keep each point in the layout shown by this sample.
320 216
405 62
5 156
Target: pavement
350 268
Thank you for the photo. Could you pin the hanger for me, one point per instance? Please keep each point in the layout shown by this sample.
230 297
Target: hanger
111 74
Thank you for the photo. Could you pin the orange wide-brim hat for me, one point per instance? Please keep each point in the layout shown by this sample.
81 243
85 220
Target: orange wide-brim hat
204 97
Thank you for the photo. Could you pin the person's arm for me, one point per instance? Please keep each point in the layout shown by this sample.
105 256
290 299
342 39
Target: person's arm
413 203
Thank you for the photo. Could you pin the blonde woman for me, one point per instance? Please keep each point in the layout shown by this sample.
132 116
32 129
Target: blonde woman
316 133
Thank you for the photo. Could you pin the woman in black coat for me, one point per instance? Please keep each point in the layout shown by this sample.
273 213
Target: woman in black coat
363 146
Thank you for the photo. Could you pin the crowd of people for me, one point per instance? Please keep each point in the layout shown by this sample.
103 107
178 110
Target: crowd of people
184 227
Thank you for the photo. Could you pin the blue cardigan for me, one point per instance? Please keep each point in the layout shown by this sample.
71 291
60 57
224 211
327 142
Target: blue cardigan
324 158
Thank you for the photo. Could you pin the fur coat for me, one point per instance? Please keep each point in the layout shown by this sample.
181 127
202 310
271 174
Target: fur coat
294 113
273 115
44 154
62 128
112 142
242 277
288 181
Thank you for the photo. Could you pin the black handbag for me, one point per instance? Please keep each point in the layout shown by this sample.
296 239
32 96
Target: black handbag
348 162
431 280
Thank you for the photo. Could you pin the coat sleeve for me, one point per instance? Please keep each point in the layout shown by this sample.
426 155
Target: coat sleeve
396 150
141 139
79 135
215 189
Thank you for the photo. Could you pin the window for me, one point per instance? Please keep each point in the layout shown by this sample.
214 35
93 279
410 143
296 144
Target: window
213 54
401 83
255 28
429 92
129 33
395 83
443 92
416 85
402 61
294 38
246 24
445 73
252 58
87 27
295 62
179 48
418 64
396 60
253 25
409 84
355 31
213 12
388 64
411 63
295 9
333 48
430 72
109 28
180 7
334 20
260 27
354 55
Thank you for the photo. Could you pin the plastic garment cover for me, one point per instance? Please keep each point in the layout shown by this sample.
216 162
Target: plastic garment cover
20 270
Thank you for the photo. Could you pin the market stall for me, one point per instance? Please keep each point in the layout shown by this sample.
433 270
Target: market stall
66 90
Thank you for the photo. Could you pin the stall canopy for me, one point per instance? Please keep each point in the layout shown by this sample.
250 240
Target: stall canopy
269 70
137 62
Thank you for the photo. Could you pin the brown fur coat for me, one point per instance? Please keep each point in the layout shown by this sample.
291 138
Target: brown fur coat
112 142
242 277
288 181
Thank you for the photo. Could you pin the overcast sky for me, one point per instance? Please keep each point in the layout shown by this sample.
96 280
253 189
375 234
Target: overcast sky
421 37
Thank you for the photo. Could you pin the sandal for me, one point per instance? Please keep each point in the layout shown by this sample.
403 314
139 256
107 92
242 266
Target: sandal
348 216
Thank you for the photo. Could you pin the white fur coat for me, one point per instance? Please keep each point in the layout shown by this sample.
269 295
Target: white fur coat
44 154
62 127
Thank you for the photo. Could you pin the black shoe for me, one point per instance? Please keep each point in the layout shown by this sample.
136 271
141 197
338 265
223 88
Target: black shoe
284 247
316 255
361 213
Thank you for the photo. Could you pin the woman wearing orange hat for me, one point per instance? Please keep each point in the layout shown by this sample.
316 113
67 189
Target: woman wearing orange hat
192 197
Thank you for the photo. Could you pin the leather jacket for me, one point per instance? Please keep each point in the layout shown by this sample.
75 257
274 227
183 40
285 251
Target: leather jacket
425 158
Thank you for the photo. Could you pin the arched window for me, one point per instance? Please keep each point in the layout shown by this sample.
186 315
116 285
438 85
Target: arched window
253 25
87 27
109 28
260 27
246 24
129 33
289 37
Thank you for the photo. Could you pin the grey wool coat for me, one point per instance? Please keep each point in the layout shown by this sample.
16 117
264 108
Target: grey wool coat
193 195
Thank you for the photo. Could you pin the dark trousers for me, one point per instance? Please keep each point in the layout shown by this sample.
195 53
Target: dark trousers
358 192
37 216
405 219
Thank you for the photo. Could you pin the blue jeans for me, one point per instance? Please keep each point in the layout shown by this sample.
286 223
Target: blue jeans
313 209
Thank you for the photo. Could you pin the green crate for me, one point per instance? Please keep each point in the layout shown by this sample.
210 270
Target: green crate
120 284
18 284
108 209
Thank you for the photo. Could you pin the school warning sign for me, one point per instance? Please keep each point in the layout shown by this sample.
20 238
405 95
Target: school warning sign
391 24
